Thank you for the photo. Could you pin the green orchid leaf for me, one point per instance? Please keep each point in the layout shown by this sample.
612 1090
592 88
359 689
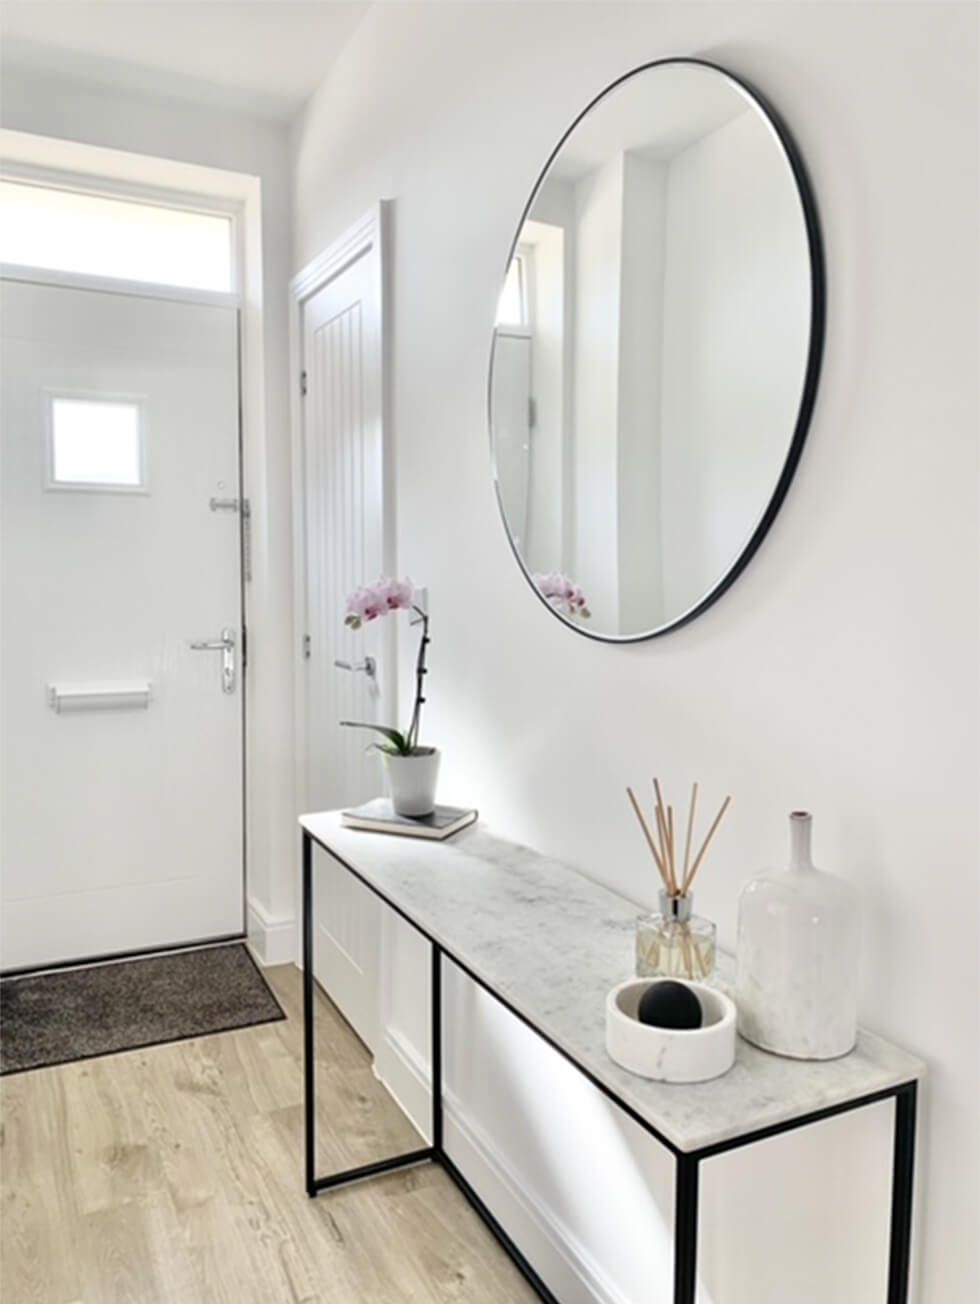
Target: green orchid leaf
398 741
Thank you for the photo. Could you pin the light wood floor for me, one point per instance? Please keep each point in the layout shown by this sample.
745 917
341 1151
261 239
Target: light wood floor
174 1176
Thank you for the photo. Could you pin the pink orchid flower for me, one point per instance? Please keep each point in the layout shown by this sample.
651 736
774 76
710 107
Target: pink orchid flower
362 605
397 594
378 599
563 594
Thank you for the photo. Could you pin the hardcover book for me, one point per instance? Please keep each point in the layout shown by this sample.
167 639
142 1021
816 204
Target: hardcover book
380 816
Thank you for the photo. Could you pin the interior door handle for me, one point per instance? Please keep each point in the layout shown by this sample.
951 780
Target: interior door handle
226 646
367 667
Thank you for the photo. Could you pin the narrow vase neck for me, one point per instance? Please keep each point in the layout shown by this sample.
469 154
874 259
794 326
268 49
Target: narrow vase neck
800 826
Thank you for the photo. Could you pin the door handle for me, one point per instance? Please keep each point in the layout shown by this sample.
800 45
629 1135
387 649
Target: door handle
226 646
367 667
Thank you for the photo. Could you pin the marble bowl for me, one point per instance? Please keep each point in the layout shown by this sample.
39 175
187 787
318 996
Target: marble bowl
669 1054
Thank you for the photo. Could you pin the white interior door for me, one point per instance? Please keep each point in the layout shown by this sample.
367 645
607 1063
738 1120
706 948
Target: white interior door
121 812
344 510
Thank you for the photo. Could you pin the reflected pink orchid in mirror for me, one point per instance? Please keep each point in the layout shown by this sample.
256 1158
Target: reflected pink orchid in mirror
563 594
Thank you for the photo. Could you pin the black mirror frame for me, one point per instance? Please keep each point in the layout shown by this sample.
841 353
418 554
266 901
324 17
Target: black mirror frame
818 316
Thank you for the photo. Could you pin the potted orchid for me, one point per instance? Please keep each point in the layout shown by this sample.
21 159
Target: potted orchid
412 770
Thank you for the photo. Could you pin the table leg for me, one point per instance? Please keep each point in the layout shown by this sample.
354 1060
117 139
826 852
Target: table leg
315 1184
903 1172
686 1229
309 1073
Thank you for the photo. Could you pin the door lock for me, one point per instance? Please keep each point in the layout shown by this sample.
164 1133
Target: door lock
226 646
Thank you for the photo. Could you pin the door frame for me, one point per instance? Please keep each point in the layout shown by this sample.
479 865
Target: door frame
368 238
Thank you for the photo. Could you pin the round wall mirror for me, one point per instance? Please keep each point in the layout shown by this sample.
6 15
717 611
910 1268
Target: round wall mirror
656 350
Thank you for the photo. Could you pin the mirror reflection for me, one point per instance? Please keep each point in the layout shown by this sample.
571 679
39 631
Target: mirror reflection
652 340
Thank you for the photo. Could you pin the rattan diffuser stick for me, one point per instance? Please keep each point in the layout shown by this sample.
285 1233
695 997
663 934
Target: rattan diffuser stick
664 847
665 844
689 876
649 837
690 830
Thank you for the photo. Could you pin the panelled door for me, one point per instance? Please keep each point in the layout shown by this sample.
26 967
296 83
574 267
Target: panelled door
122 744
343 469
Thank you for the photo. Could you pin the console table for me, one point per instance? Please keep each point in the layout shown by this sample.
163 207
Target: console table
548 943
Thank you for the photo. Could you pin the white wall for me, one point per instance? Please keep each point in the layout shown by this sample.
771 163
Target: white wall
733 373
121 119
840 672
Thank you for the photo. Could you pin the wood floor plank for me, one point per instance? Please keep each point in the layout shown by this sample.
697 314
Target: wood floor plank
173 1175
39 1234
110 1160
118 1265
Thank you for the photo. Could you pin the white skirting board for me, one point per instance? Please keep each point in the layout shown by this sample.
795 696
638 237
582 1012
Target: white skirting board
272 940
564 1263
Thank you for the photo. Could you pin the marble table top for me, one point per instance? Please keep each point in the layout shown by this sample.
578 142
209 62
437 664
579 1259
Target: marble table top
552 942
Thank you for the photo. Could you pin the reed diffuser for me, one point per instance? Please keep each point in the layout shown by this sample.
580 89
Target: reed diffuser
674 942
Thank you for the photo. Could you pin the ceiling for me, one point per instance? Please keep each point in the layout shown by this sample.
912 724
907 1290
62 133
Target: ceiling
266 56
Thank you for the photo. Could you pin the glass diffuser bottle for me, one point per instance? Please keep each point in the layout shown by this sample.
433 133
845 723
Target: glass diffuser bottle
675 942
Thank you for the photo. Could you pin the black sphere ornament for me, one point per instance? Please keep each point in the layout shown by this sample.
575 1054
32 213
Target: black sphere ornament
670 1005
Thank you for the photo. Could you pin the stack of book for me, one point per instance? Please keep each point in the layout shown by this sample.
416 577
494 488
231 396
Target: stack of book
380 816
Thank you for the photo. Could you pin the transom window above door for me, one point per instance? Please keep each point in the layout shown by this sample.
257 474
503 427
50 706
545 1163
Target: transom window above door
76 231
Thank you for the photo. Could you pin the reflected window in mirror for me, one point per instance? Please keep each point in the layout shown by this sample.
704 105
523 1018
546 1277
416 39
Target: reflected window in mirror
512 305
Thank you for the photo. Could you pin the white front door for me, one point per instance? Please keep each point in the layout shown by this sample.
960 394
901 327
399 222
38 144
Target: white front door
343 503
121 795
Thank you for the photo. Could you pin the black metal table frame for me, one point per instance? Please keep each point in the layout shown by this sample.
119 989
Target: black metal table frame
687 1162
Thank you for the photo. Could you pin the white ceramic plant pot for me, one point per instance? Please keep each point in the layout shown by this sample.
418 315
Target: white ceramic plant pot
670 1054
798 952
412 781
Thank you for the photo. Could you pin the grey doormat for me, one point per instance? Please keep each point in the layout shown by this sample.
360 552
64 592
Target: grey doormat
72 1014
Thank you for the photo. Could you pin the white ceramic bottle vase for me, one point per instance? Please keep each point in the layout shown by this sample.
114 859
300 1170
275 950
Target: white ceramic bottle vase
799 937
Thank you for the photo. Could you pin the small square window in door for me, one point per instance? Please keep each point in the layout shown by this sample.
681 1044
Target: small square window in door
96 443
